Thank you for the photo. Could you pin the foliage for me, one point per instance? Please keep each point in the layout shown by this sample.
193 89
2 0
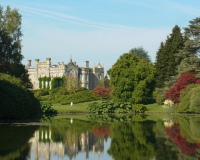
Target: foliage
71 83
116 107
166 66
132 79
189 128
44 82
56 82
132 141
10 45
16 101
47 109
19 135
102 92
189 99
141 53
185 146
174 92
62 96
188 55
40 92
106 82
159 95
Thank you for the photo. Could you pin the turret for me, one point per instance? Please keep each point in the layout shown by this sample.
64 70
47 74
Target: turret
29 64
86 64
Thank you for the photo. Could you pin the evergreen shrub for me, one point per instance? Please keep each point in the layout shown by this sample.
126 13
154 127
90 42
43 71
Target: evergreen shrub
16 101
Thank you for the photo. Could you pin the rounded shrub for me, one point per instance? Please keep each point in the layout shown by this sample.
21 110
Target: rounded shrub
17 102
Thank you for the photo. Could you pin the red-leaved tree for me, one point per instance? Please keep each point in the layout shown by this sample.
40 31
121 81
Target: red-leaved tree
102 92
184 80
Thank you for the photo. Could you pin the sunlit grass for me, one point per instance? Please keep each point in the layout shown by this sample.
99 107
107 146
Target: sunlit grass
79 107
155 108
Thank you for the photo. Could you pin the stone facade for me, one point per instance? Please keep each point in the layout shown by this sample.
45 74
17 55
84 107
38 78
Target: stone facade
88 77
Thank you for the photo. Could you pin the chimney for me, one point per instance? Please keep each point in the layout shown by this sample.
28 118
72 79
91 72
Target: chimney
29 64
48 60
87 64
36 61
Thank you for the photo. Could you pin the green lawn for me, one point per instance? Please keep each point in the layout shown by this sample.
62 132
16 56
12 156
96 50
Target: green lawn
155 108
79 107
83 107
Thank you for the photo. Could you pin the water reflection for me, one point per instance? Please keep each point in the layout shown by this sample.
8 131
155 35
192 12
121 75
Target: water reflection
66 140
168 138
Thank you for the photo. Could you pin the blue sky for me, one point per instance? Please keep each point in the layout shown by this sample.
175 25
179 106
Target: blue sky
97 30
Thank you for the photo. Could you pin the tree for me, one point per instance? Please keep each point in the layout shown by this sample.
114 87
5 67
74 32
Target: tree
141 53
132 79
189 99
166 66
160 67
10 45
106 82
102 92
188 56
71 83
184 80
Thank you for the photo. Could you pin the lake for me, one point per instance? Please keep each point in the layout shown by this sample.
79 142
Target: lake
102 137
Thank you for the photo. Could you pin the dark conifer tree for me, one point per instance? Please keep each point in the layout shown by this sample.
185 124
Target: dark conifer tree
166 65
160 67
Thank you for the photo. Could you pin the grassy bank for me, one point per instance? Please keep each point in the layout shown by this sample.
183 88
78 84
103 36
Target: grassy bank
76 108
83 108
155 108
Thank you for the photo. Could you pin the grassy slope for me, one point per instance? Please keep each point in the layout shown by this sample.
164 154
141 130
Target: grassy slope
83 107
155 108
155 111
78 107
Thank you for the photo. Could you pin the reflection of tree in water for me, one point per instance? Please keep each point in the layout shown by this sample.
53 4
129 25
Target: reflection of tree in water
14 141
102 131
132 141
71 143
185 134
165 149
185 146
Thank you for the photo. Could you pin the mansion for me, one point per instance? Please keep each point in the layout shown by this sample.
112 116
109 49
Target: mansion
88 77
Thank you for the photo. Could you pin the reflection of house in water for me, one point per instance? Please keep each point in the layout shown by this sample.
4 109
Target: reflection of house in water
43 146
90 142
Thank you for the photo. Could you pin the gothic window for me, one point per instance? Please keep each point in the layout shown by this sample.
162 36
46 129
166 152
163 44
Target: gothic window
80 77
87 77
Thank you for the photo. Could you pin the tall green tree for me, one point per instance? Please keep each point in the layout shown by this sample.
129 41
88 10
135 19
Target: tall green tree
160 66
166 65
10 45
71 83
189 55
10 24
132 79
141 53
